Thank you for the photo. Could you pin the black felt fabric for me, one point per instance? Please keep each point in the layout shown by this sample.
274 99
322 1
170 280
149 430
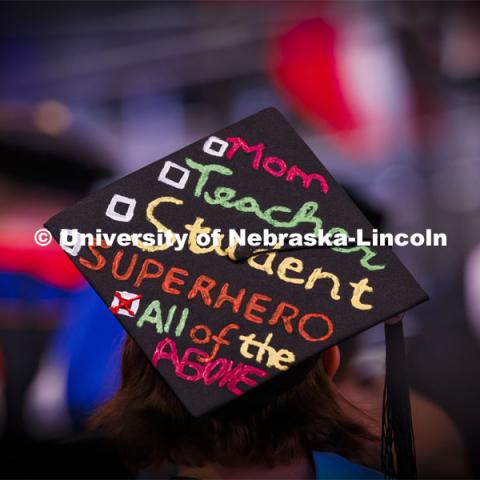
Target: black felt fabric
394 289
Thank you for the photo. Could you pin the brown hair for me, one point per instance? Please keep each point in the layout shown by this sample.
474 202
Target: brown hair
151 426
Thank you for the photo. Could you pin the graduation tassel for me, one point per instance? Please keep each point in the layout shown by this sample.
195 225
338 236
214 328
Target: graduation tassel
398 445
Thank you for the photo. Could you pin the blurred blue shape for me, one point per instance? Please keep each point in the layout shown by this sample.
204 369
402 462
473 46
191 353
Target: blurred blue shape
26 289
89 342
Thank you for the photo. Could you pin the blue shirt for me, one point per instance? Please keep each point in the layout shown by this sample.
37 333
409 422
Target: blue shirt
332 466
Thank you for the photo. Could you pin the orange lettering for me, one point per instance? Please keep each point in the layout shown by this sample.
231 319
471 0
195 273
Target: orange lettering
224 297
131 266
144 273
286 318
171 279
202 285
101 261
253 306
302 324
195 339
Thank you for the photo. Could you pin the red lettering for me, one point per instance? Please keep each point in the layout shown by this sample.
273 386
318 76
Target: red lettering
161 353
101 260
253 306
131 266
221 340
230 374
287 319
195 339
295 171
210 378
185 363
170 279
239 142
224 297
202 285
275 166
242 377
217 339
302 324
282 166
144 273
220 370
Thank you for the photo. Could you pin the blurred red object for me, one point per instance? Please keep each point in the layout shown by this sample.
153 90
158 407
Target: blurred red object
48 264
304 65
345 78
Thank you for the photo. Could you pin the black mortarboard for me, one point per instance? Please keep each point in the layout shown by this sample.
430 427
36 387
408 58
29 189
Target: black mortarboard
219 320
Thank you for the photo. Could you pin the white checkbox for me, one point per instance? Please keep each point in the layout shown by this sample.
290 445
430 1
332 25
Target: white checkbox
172 166
113 206
215 146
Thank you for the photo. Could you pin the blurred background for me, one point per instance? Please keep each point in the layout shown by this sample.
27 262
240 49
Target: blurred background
387 94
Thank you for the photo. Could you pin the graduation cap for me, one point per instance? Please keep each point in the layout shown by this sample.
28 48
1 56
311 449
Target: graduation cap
223 316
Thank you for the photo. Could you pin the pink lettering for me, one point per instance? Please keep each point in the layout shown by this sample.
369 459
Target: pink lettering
239 142
306 178
275 166
221 371
241 377
208 376
185 363
160 352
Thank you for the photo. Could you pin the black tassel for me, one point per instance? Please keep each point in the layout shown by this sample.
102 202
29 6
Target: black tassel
398 445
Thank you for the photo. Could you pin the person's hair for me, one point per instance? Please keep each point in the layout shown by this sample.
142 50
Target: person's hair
151 425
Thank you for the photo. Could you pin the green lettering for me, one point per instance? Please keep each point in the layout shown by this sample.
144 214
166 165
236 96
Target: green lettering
152 314
205 171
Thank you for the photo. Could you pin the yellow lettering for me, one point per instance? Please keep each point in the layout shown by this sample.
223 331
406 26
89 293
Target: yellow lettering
358 290
318 274
290 264
276 359
160 227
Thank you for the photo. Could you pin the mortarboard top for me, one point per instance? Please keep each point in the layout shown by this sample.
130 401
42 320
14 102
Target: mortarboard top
217 321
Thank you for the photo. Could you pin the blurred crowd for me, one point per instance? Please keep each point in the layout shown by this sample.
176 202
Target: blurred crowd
387 94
